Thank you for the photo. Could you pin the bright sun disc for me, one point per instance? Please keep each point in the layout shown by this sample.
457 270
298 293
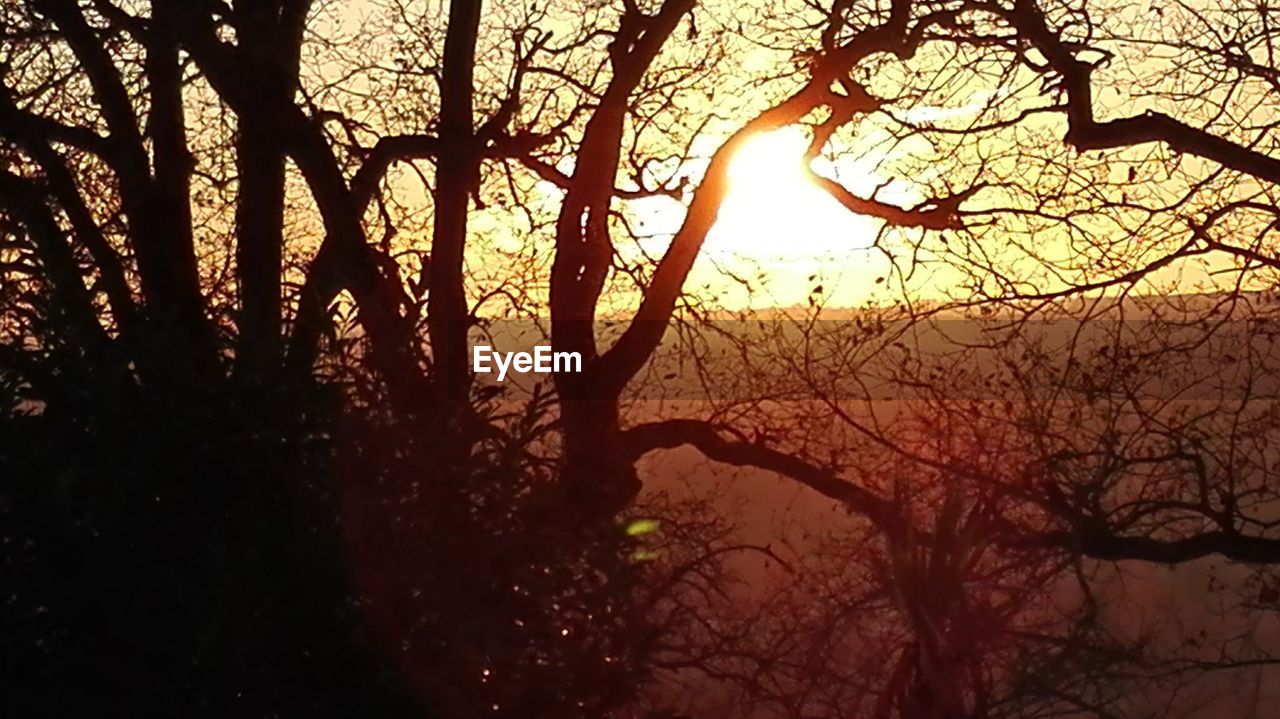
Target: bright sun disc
773 211
770 160
774 219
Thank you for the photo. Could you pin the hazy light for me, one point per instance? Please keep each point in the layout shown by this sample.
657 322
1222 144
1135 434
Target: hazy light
773 210
774 217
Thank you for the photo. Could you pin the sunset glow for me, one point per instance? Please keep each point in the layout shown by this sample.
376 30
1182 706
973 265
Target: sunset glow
774 217
663 359
773 211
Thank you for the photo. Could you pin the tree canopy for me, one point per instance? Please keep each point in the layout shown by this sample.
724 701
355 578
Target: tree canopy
246 248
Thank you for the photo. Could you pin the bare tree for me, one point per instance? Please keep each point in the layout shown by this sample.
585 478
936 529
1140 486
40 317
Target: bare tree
209 279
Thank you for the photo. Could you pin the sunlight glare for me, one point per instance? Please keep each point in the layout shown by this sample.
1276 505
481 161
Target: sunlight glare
775 217
772 158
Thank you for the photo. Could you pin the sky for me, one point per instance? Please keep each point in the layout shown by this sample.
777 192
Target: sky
779 238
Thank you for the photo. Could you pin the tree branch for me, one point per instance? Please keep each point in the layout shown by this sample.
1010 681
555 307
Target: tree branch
735 450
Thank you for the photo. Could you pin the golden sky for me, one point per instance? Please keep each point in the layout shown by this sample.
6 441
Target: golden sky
783 237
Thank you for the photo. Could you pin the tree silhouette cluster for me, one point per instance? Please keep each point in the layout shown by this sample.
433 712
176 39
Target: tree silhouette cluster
246 246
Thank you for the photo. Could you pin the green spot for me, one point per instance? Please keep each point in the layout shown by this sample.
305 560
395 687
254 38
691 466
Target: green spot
641 527
644 555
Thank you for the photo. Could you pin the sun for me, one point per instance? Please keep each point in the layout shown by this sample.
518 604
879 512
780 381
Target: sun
772 158
773 210
774 218
779 231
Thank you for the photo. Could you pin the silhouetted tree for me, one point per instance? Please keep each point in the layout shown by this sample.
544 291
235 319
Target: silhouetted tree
245 246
